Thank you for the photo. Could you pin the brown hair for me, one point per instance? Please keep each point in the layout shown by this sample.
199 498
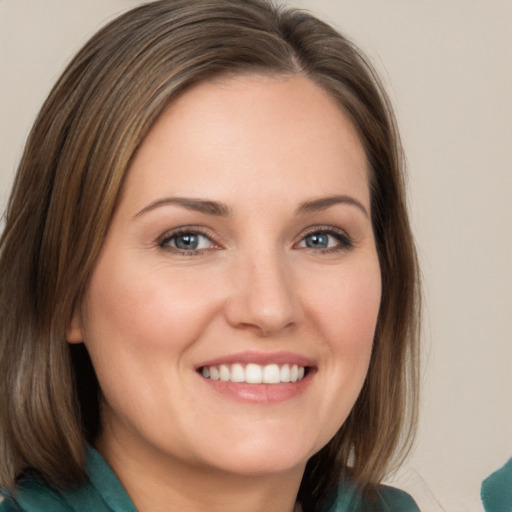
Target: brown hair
67 187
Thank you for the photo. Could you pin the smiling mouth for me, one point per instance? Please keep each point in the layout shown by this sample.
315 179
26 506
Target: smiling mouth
255 373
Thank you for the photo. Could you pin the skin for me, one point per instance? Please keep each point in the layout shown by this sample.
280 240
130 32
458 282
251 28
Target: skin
264 148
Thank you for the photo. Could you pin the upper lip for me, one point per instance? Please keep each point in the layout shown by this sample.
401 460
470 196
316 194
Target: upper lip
262 358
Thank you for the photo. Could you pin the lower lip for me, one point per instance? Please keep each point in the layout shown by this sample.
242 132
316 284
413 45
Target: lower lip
260 393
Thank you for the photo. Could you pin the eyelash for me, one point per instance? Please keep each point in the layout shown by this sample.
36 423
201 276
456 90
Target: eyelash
344 241
165 241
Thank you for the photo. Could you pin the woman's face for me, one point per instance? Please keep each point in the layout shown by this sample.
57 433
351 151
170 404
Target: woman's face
241 251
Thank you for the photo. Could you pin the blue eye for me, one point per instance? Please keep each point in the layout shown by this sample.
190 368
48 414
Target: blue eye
317 241
326 240
186 241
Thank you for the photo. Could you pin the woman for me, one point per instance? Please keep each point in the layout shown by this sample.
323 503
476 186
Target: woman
209 287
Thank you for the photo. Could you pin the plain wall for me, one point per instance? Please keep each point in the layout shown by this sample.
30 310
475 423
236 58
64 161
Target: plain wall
448 68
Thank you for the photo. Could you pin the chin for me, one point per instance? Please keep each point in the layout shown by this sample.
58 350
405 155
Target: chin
261 466
259 457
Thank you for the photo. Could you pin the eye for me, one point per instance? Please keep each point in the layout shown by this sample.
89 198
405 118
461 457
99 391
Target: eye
326 240
186 241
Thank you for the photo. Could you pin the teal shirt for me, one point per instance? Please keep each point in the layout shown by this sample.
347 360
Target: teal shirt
496 490
104 493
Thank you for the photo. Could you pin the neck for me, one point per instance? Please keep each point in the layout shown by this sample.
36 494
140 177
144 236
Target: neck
155 483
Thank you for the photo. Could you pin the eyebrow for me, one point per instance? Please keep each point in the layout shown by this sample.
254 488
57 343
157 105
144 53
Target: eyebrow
326 202
216 208
198 205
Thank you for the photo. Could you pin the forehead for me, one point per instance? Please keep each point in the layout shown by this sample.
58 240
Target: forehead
253 128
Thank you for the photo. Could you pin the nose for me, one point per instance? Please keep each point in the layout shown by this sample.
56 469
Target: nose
264 295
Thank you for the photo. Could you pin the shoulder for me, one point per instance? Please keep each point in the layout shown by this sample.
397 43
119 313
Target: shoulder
496 490
32 495
382 499
102 492
393 499
9 506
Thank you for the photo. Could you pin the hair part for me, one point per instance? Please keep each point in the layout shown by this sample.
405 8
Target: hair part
68 184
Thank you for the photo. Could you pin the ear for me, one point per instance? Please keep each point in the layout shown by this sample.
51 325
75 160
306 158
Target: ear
75 331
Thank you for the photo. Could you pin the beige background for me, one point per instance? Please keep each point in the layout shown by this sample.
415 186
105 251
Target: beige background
448 67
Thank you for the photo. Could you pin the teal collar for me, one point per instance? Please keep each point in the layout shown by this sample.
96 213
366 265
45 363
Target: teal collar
102 493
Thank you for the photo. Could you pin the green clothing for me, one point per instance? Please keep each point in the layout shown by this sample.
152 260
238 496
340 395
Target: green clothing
496 490
104 493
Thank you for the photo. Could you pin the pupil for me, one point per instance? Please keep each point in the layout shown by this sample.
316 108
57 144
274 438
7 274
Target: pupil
187 242
317 240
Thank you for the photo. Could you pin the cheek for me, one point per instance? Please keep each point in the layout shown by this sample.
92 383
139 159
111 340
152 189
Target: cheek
148 309
347 305
140 331
346 308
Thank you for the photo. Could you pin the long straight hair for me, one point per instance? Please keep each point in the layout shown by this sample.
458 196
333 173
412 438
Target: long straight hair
67 187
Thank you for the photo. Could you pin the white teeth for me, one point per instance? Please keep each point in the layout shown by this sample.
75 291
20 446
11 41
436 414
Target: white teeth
285 373
271 374
237 373
224 373
254 373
